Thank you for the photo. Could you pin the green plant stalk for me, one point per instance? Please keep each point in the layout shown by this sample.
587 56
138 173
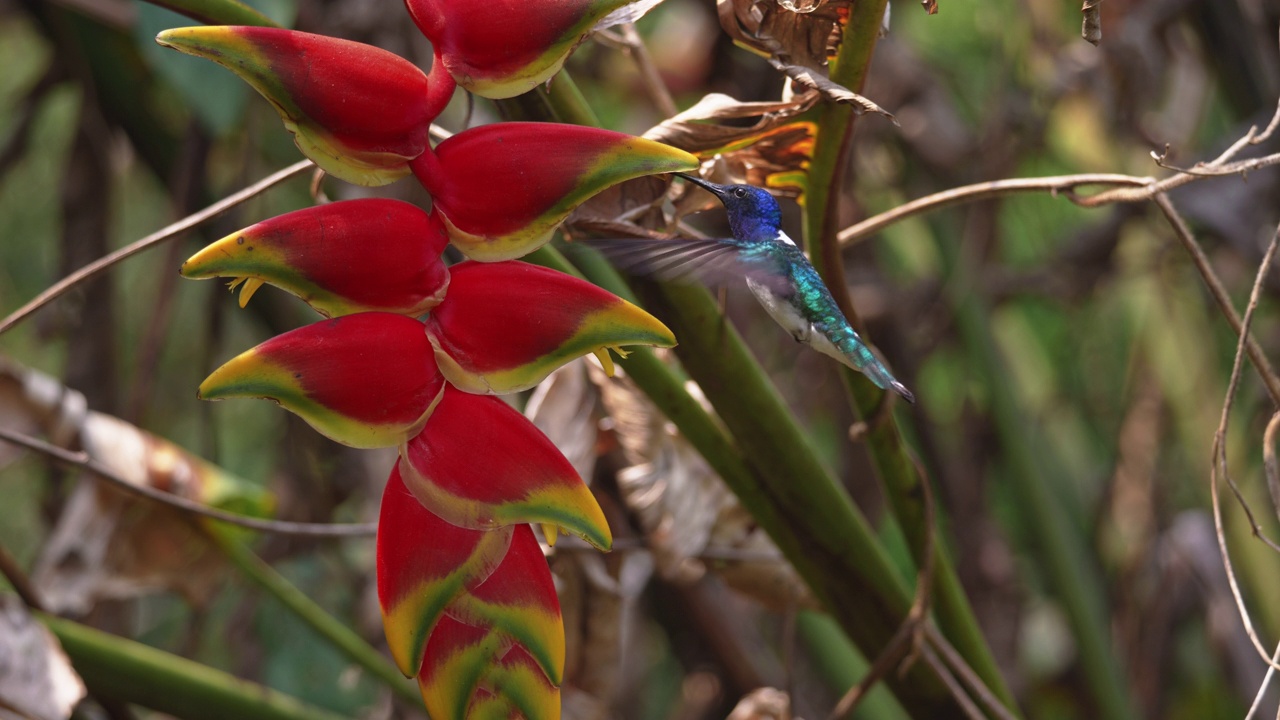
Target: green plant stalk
306 609
568 102
122 669
782 485
1065 557
894 466
842 666
793 497
787 490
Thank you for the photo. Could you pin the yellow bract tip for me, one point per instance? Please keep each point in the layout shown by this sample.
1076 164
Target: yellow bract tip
602 354
251 286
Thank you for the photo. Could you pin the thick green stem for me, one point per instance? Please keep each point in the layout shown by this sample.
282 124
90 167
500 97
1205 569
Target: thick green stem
889 454
778 480
121 669
330 628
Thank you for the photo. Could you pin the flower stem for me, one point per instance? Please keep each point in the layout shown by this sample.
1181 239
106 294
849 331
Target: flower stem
115 667
889 454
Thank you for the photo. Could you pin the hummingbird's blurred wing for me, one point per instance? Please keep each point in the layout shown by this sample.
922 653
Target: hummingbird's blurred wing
717 262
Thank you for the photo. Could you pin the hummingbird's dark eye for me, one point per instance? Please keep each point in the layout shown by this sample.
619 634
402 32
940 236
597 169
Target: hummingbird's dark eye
740 192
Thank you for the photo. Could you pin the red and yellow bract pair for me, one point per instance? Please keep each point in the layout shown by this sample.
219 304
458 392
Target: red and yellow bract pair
412 351
499 191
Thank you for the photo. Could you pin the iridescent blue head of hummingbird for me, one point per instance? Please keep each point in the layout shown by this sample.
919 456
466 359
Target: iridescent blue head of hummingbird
754 215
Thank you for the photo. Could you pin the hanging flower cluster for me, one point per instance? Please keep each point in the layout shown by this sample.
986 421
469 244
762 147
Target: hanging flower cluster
412 351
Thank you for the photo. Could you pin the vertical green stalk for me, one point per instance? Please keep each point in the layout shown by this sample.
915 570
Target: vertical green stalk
781 483
889 454
784 486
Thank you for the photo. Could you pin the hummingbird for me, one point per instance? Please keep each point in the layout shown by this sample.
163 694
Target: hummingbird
776 271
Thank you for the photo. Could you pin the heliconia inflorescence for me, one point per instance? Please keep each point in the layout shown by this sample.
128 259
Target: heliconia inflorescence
412 350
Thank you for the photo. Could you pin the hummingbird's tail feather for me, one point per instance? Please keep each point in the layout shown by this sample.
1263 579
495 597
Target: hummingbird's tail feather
880 375
860 357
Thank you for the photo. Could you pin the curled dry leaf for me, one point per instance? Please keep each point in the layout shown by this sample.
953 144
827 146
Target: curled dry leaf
810 37
703 130
36 678
799 38
686 510
563 407
763 704
107 544
1091 25
832 91
773 151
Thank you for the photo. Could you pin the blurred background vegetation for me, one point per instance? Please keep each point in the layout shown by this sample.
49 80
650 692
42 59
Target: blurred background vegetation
1070 364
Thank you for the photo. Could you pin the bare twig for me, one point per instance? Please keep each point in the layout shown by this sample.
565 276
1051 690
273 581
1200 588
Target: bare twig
952 684
956 662
167 233
1218 467
980 191
1220 295
22 584
1269 463
1131 188
657 89
85 462
1266 680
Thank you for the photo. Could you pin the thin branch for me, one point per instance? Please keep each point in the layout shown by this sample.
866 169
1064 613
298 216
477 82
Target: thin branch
1218 465
1269 463
92 269
1220 295
952 684
22 584
980 191
956 662
85 462
658 91
1132 188
1266 680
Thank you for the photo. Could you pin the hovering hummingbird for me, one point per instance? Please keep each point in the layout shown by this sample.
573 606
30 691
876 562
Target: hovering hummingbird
776 271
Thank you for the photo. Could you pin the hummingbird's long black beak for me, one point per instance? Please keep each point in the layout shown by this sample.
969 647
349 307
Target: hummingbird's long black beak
710 187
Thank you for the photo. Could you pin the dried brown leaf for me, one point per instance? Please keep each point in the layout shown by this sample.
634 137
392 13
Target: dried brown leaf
107 544
763 704
36 678
698 131
687 512
634 208
1091 25
803 32
812 79
563 407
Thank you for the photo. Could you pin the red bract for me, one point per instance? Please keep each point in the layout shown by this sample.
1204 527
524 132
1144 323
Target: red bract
358 111
340 258
423 564
366 380
501 644
505 326
501 190
501 48
525 478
